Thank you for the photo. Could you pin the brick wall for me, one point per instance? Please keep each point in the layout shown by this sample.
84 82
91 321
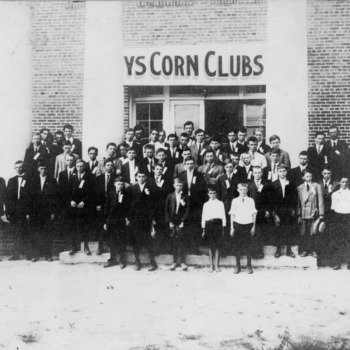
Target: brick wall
328 65
57 64
200 23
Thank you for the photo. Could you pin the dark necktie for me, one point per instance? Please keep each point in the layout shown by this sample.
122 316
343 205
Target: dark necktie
325 186
307 187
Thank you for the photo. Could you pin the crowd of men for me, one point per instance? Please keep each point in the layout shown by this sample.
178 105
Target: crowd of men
159 187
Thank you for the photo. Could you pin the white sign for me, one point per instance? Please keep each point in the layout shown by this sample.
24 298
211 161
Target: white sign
195 65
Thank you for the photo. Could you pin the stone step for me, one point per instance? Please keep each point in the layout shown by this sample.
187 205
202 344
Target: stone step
269 261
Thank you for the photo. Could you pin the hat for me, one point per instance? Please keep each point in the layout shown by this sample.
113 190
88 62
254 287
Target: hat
318 227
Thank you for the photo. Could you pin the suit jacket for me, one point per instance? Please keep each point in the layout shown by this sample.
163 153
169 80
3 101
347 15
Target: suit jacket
261 196
339 158
65 188
97 169
141 208
134 145
60 164
310 203
242 175
101 191
229 148
211 175
263 148
170 209
226 194
283 205
31 159
318 161
176 158
43 201
327 194
159 193
17 208
82 191
240 148
284 158
168 169
76 147
296 176
2 195
146 167
125 170
196 190
116 211
198 157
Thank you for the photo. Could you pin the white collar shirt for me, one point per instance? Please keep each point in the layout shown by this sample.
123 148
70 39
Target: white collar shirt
341 201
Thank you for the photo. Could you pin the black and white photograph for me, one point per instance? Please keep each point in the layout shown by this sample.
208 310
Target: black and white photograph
175 174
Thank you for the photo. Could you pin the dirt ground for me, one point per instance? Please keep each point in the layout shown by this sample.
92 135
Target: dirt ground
54 306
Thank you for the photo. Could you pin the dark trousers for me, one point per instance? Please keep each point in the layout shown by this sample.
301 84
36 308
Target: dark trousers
41 238
79 226
117 242
242 240
285 231
308 242
21 239
142 238
178 242
340 240
213 233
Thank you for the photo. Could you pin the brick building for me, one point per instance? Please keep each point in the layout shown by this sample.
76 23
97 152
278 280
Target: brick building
104 66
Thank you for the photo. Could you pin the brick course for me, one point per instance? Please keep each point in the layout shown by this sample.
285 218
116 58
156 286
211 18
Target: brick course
328 66
57 64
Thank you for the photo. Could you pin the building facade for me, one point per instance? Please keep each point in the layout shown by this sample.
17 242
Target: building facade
103 66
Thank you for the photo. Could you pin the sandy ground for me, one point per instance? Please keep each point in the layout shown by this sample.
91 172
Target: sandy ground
54 306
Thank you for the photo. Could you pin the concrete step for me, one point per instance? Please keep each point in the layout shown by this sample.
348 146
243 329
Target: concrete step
268 261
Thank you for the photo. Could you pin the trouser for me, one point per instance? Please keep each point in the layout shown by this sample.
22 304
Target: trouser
213 233
142 238
79 231
178 242
242 242
21 237
284 233
340 240
41 238
117 242
308 241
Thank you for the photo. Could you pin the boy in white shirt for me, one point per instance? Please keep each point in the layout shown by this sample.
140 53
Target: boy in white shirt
213 225
243 218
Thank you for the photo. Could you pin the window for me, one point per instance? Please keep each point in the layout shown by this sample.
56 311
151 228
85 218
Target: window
149 116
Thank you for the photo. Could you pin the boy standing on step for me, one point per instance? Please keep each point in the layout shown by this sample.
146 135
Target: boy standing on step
243 218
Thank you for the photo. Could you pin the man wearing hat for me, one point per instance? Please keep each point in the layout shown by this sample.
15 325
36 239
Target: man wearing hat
341 235
310 208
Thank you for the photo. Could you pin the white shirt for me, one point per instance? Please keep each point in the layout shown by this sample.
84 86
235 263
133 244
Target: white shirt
69 172
243 208
178 201
19 187
107 178
132 171
283 185
274 173
189 177
42 181
142 187
213 209
341 201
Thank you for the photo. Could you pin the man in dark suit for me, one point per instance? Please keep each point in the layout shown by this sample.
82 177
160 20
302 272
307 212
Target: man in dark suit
161 140
241 146
93 166
131 143
215 145
116 213
328 187
296 174
76 144
194 186
81 204
180 167
18 210
149 161
141 220
167 164
189 128
230 147
245 173
173 152
319 155
103 185
339 153
199 147
34 154
284 199
43 190
212 168
131 167
138 131
259 190
262 148
177 209
111 149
